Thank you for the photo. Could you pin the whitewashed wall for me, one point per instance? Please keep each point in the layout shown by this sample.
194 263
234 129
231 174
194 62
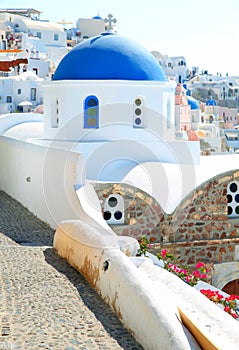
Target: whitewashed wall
42 179
116 102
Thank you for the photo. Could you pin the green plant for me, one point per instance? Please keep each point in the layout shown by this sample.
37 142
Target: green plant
144 245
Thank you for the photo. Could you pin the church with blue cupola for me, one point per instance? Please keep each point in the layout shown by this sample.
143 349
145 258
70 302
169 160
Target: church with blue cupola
109 91
211 111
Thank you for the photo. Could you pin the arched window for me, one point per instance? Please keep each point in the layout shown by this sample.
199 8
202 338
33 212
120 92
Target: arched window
233 199
91 113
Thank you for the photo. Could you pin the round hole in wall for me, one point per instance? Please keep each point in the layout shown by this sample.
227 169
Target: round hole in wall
137 121
237 198
107 215
233 187
138 102
229 198
138 111
229 210
237 210
118 215
112 201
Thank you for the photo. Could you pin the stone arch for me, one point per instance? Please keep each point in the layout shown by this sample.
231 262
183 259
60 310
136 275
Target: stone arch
225 273
202 230
207 202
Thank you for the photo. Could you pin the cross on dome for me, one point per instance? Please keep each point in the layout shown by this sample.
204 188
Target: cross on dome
111 21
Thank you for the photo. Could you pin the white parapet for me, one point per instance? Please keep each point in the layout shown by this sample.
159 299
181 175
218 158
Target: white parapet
151 302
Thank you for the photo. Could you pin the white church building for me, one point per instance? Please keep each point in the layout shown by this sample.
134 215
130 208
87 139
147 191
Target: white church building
118 95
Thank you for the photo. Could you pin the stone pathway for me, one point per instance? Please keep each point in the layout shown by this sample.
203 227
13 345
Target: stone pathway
44 302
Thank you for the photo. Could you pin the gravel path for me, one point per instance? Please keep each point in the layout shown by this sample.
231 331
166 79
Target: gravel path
45 303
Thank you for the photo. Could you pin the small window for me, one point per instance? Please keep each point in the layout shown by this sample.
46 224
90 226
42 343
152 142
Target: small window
91 113
9 99
56 37
55 114
168 114
33 94
139 114
19 91
38 35
114 210
233 199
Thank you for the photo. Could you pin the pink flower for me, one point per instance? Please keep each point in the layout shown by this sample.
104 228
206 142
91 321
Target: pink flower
199 264
196 274
164 252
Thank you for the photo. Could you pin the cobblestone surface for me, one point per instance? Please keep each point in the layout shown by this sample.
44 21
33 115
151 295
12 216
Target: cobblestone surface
44 302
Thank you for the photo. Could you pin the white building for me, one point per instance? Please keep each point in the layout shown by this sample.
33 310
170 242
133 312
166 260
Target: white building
41 44
36 38
21 90
174 67
90 27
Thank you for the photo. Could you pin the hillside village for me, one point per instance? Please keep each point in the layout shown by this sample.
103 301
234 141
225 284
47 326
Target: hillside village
206 106
108 154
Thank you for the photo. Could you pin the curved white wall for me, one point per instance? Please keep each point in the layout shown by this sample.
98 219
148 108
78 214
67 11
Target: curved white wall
145 297
42 179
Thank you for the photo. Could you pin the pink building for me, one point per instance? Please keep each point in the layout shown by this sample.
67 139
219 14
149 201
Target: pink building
182 110
229 116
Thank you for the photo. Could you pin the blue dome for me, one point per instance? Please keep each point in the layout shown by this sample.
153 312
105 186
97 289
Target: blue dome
211 102
192 102
109 57
97 17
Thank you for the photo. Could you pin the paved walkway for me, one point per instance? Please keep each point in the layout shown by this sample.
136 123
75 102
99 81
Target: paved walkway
44 302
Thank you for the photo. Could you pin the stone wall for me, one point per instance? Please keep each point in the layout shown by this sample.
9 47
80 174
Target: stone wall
200 227
198 230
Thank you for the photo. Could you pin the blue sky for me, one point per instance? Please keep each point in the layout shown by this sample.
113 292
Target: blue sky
205 32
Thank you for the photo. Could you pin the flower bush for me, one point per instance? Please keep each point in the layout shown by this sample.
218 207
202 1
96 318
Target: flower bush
182 272
229 303
173 266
